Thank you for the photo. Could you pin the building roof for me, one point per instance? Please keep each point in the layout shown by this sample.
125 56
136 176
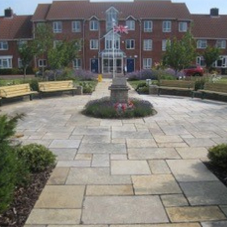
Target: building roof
16 27
206 26
63 10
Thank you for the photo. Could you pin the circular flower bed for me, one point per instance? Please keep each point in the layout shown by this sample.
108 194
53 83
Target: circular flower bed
105 108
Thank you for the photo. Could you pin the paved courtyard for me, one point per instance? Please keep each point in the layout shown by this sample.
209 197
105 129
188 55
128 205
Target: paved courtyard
127 173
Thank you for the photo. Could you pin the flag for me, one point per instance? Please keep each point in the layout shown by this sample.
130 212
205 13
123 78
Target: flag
121 29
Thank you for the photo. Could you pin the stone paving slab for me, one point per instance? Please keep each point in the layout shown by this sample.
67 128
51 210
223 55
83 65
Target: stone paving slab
61 197
102 148
190 214
96 139
129 167
192 153
95 176
153 153
224 209
139 143
102 131
174 200
205 193
100 160
58 176
109 190
168 139
74 163
65 144
190 171
200 142
161 225
131 135
64 154
155 184
54 216
214 224
123 209
159 167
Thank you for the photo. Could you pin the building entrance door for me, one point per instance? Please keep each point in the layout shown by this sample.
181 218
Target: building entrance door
94 65
130 65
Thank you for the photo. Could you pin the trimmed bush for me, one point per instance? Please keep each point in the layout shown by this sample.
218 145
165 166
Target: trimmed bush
37 157
218 155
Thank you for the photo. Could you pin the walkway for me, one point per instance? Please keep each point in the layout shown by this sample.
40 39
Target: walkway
127 173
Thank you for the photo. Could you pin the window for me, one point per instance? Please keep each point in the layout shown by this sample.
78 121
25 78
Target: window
57 27
201 44
21 43
5 62
147 63
76 26
94 45
200 61
148 25
4 45
164 44
130 24
77 63
20 63
183 26
94 25
109 40
147 44
78 44
130 44
42 63
221 44
166 26
111 18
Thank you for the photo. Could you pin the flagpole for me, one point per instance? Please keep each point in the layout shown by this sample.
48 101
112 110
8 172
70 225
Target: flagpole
113 50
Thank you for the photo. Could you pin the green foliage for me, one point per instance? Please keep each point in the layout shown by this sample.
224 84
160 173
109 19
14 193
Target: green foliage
142 88
218 155
180 53
104 108
87 87
37 157
211 54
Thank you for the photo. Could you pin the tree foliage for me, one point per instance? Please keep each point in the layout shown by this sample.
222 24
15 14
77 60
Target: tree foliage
211 54
180 53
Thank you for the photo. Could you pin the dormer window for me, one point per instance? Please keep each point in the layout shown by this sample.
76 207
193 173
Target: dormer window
111 18
94 25
130 24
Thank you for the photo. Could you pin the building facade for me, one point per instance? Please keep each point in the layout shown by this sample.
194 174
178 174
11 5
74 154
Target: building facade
150 24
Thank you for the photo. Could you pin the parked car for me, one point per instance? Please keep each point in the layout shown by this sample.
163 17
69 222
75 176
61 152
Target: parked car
193 70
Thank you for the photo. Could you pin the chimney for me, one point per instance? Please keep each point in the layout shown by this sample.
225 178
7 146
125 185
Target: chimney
214 12
8 12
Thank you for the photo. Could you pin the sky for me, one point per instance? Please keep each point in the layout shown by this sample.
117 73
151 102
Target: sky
27 7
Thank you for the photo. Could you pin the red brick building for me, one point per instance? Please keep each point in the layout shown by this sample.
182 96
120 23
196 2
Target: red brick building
150 25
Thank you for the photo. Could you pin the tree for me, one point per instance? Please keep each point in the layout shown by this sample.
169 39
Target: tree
26 53
180 53
211 54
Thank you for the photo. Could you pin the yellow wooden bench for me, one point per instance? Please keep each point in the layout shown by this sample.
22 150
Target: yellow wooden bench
56 86
212 88
180 85
17 90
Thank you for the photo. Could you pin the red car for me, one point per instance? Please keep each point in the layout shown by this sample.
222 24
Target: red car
193 70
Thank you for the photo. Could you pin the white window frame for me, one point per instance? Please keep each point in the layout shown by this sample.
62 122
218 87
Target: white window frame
19 63
201 44
130 44
131 25
166 26
76 26
94 44
164 44
77 63
109 40
147 44
148 26
183 26
221 43
200 61
94 25
57 27
111 17
20 43
147 63
42 63
79 44
6 62
4 45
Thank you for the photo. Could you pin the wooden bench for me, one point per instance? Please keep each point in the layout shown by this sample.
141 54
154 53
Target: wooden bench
56 86
18 90
180 85
212 88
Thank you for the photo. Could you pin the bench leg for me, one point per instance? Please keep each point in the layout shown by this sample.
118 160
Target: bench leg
40 95
203 95
159 91
73 92
1 102
31 97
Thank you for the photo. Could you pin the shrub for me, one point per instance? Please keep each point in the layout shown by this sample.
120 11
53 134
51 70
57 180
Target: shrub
104 108
80 74
142 75
37 157
218 155
142 88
